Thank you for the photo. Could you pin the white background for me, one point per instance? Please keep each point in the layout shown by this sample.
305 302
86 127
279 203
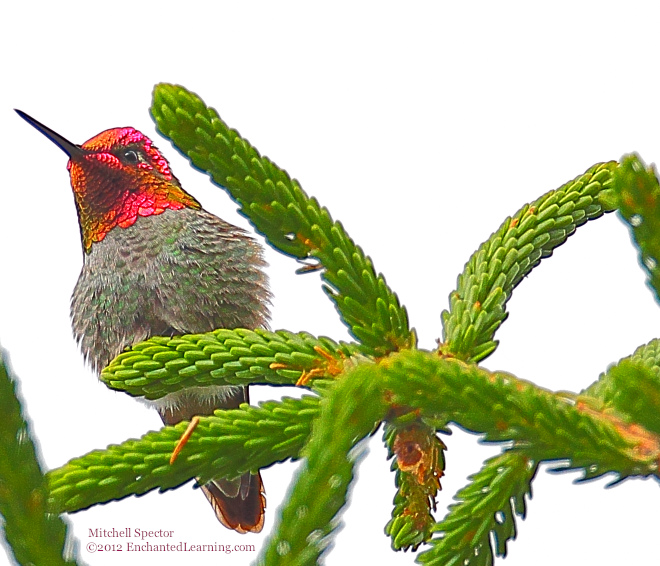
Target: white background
420 127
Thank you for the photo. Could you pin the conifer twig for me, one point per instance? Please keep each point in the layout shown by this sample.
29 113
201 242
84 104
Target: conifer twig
418 464
352 408
631 388
478 305
34 535
547 426
487 505
228 444
162 365
291 221
636 193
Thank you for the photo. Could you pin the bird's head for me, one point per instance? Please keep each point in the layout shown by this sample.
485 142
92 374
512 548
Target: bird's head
117 176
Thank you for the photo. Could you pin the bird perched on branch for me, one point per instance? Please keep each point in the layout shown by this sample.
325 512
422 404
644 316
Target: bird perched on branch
155 263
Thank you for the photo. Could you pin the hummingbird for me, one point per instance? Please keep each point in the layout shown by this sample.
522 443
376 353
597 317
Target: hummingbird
155 263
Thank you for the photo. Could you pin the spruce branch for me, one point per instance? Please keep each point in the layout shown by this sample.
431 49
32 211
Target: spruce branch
35 535
545 425
636 395
540 424
487 505
549 426
478 305
228 444
291 221
161 365
631 388
350 411
636 193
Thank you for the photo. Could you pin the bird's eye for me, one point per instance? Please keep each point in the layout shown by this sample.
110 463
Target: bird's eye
131 156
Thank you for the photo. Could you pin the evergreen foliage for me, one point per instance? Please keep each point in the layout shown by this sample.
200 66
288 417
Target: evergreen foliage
34 534
636 194
477 306
160 365
611 427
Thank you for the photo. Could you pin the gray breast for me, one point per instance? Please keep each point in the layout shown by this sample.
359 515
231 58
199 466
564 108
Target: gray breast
179 272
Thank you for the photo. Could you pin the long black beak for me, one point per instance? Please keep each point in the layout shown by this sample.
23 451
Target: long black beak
65 145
